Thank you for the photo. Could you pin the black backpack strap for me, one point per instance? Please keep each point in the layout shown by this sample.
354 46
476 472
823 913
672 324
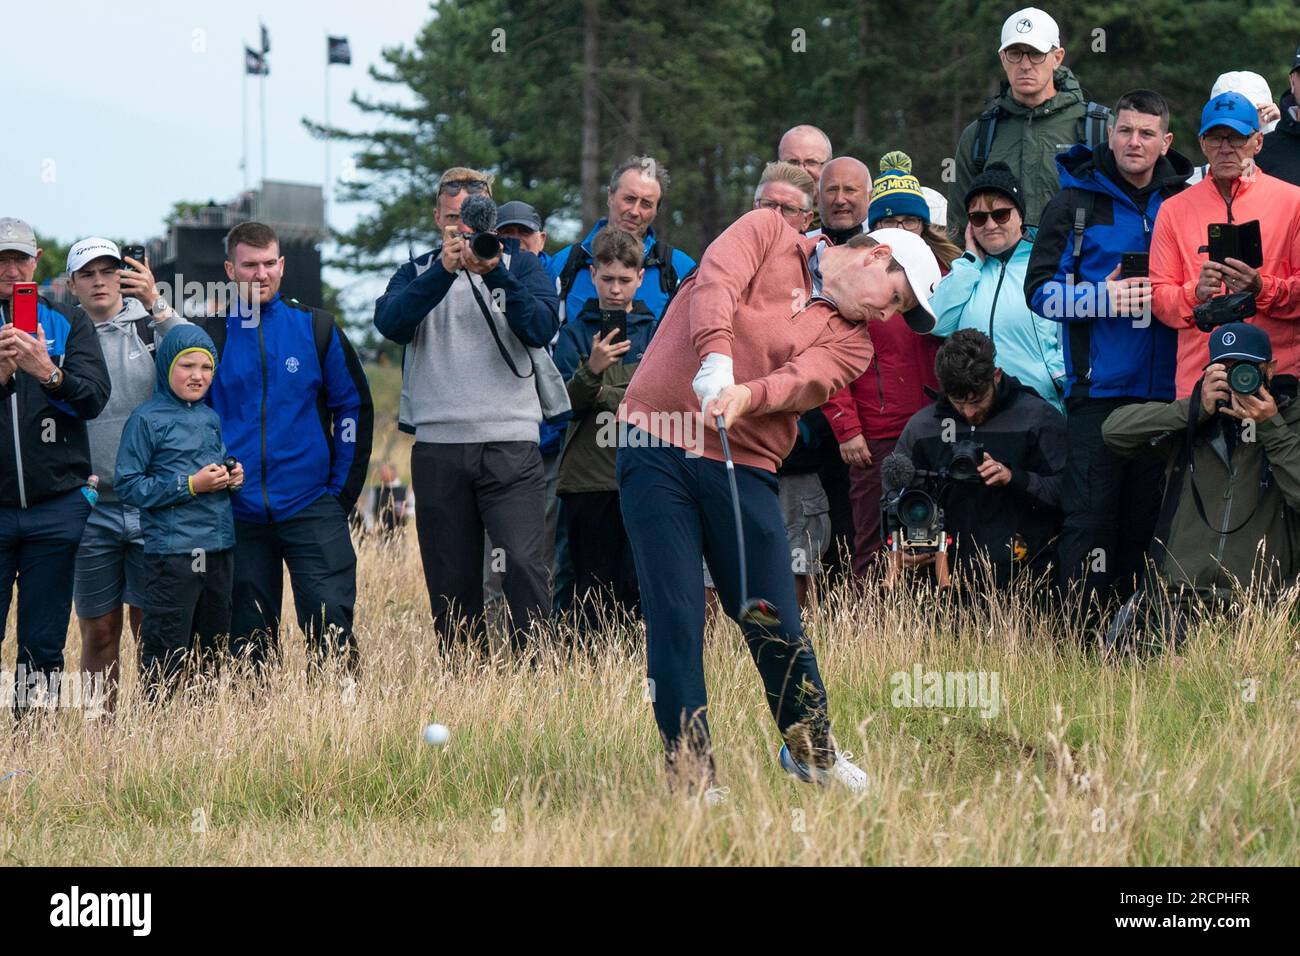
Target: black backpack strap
577 261
661 257
1096 121
144 329
323 332
985 129
215 326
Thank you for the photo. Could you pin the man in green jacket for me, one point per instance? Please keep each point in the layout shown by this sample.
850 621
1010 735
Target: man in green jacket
1229 519
1040 110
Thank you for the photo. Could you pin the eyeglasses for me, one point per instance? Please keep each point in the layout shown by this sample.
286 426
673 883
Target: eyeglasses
910 223
1015 56
789 212
1215 141
16 259
999 216
807 163
472 186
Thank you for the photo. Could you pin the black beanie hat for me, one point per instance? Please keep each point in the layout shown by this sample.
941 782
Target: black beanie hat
997 178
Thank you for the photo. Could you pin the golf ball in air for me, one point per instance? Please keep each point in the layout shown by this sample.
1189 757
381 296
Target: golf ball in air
435 735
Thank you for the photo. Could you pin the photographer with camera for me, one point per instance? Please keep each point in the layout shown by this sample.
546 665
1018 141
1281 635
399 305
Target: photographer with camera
597 353
1228 520
992 452
471 377
1193 292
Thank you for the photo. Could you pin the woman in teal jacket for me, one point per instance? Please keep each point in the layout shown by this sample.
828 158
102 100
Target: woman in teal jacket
986 288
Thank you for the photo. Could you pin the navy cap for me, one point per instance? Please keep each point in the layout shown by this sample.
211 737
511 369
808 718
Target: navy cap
1240 341
1296 65
516 213
1231 110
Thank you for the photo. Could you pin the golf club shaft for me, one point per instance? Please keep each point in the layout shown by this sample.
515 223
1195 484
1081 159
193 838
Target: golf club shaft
735 507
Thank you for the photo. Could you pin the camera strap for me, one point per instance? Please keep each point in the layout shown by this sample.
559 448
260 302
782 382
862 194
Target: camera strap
496 336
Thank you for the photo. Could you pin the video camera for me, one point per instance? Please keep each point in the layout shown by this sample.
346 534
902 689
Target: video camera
911 517
1222 309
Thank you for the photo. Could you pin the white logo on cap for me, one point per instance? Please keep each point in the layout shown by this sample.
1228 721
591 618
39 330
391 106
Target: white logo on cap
1229 338
1025 25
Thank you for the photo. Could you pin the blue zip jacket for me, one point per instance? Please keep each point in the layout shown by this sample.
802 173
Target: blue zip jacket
1106 355
300 428
990 297
166 440
650 292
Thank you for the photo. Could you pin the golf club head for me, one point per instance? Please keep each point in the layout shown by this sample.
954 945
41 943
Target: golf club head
761 613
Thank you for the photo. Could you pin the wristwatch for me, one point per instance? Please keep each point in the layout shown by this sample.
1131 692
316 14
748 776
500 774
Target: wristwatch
55 378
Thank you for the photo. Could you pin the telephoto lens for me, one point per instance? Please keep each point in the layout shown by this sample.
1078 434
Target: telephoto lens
1245 378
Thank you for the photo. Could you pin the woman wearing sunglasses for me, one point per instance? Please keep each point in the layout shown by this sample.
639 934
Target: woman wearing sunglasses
986 288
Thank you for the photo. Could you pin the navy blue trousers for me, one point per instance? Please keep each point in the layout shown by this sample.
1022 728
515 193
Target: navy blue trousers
676 509
38 550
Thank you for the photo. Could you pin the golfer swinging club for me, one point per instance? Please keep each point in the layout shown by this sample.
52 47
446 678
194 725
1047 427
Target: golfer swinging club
786 318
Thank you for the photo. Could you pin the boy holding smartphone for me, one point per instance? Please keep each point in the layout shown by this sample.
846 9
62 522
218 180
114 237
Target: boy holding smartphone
597 353
172 465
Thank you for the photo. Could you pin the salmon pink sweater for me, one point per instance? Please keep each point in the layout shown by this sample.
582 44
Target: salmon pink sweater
1176 260
749 299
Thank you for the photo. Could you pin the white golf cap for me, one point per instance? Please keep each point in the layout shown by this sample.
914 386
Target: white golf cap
88 250
18 236
922 269
1250 85
938 204
1032 27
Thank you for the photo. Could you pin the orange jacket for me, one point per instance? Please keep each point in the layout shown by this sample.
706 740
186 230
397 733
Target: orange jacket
1176 259
749 299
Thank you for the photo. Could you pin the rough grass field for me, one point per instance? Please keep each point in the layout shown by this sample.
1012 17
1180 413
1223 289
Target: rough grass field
1190 758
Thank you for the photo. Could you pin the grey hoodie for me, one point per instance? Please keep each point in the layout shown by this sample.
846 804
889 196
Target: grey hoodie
132 371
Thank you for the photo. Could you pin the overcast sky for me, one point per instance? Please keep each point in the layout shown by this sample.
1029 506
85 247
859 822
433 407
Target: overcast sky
118 110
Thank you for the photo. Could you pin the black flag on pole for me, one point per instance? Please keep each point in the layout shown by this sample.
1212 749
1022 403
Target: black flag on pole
266 39
255 64
339 51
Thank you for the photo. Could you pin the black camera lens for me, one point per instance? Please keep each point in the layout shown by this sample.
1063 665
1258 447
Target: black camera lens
916 509
231 462
1245 378
485 245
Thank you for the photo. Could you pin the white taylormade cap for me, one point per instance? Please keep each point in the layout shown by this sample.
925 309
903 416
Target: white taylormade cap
88 250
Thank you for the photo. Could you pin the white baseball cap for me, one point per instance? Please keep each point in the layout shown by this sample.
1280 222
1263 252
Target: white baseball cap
88 250
1250 85
922 269
1032 27
938 204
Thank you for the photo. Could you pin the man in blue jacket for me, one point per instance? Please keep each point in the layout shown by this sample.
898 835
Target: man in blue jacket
1115 354
51 384
636 191
469 393
295 410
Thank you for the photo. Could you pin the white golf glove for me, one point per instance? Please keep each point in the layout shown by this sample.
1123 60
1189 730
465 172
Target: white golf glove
714 375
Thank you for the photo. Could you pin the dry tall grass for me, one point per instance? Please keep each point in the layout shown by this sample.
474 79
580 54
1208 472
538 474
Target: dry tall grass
1177 760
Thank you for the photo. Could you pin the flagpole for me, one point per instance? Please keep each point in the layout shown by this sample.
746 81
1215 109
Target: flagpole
263 88
243 98
325 188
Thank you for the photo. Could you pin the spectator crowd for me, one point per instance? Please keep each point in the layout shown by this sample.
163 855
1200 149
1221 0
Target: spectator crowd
1085 358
